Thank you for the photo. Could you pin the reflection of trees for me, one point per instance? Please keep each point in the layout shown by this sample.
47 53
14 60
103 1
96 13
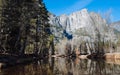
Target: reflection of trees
113 69
97 67
101 68
41 67
60 66
64 66
85 67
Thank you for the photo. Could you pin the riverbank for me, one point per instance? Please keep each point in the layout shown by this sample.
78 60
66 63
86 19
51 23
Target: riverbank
7 60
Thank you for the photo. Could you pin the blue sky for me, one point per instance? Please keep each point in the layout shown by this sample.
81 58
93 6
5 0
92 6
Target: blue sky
58 7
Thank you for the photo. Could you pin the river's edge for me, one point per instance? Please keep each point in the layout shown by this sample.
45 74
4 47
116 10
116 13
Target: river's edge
12 60
7 60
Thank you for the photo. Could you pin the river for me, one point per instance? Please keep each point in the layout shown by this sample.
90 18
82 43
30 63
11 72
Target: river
64 66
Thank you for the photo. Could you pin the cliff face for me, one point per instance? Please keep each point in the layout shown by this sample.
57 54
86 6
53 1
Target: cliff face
116 25
81 31
82 24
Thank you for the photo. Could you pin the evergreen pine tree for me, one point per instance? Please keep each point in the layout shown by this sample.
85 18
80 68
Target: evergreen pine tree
24 26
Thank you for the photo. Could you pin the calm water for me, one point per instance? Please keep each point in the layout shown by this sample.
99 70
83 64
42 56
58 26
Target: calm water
64 66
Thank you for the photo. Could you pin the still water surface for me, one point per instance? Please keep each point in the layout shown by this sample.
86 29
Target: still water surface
64 66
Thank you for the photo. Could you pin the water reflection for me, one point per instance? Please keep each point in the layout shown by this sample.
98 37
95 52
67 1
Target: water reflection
64 66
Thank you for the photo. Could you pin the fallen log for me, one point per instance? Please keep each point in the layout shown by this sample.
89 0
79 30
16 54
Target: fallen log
83 56
112 56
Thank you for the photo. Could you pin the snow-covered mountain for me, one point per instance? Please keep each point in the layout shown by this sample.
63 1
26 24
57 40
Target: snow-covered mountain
82 24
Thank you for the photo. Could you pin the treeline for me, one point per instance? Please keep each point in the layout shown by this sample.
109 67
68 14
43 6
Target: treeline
24 27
